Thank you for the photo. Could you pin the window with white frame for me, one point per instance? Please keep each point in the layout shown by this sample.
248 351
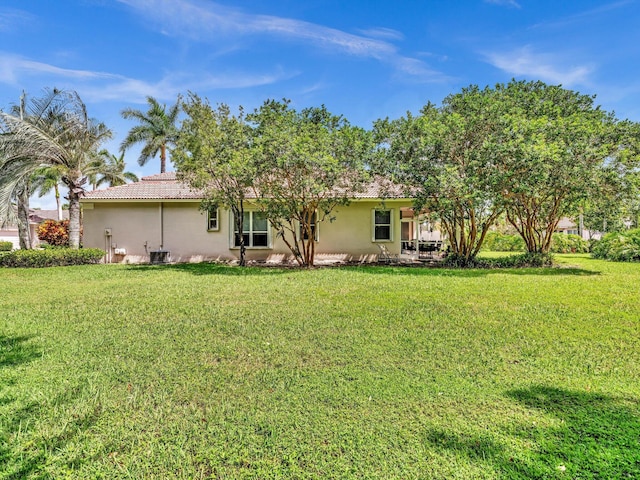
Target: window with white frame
255 230
382 225
212 218
314 228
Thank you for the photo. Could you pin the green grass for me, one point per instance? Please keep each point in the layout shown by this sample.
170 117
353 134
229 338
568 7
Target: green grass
204 371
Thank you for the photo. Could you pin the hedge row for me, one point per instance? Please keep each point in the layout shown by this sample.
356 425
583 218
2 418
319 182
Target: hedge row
6 246
524 260
50 258
560 243
618 246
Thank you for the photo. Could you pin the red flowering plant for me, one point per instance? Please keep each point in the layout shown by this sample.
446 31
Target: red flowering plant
54 232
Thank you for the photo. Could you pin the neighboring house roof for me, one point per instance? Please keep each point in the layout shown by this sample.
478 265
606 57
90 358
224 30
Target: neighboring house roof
566 222
39 216
165 186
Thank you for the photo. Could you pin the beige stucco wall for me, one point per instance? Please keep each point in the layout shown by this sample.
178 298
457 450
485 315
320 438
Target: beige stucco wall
184 232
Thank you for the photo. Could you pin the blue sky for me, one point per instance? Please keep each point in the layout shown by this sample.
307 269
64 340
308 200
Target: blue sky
365 59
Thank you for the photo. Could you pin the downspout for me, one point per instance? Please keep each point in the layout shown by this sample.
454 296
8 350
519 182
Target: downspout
161 225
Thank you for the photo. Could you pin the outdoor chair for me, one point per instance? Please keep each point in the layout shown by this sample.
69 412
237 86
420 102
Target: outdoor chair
386 256
430 248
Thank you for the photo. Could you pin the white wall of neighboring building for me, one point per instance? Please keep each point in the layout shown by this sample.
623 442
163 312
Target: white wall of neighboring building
568 226
10 236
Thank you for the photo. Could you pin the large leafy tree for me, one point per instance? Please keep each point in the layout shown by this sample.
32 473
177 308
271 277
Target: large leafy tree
55 132
441 158
615 205
553 150
156 131
308 163
214 155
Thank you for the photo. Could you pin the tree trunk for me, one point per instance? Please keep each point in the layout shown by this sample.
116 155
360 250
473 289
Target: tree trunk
163 158
238 215
58 202
24 233
74 218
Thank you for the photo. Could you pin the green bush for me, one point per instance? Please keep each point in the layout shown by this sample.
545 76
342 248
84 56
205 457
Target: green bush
50 258
503 242
6 246
563 243
524 260
618 246
560 243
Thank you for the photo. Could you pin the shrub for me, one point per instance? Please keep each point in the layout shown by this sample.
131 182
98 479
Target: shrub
524 260
503 242
563 243
618 246
50 258
6 246
54 232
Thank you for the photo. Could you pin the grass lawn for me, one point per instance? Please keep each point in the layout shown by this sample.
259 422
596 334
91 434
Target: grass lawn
204 371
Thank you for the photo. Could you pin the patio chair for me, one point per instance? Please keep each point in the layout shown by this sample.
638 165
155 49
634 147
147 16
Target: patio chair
386 256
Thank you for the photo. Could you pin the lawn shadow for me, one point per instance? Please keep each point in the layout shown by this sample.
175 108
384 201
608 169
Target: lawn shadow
593 436
435 271
597 436
17 350
26 455
206 268
29 454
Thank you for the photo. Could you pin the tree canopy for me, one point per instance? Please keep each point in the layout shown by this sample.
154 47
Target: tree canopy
552 150
214 155
441 158
536 152
308 163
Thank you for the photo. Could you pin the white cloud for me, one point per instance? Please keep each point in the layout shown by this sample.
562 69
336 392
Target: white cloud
547 67
585 15
209 21
101 86
504 3
12 67
14 20
383 33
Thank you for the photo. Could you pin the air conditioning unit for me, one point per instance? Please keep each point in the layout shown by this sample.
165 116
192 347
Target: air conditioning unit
159 256
120 251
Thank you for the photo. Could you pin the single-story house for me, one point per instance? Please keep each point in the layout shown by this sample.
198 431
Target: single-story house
159 219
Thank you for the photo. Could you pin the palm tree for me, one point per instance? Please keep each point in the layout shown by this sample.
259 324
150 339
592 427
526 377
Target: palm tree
156 130
56 132
17 212
45 180
109 170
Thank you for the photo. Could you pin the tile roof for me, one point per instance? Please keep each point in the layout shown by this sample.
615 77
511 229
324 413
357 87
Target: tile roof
37 216
165 186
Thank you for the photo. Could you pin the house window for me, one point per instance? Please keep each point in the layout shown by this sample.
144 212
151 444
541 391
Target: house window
314 228
382 225
212 218
255 230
